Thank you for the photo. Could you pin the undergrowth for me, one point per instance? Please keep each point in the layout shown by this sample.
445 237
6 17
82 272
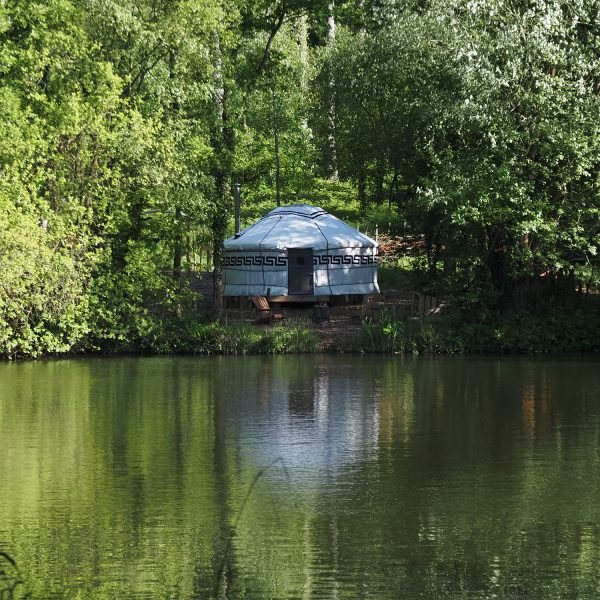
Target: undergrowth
195 337
555 331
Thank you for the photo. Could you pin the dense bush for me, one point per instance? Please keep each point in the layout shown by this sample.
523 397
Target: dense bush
123 125
43 305
554 331
189 335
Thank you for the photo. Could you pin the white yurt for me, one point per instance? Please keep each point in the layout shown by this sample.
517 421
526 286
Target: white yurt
299 251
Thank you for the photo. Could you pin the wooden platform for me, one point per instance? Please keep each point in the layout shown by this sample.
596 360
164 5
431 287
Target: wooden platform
298 299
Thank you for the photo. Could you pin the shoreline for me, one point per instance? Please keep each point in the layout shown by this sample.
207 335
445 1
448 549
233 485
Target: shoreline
562 333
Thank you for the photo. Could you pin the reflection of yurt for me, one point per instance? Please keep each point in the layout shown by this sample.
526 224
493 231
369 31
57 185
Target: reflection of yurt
318 419
299 250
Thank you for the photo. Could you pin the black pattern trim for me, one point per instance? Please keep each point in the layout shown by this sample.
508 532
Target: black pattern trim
282 261
290 211
255 261
344 259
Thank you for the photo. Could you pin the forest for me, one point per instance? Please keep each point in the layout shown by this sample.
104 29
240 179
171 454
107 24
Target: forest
473 125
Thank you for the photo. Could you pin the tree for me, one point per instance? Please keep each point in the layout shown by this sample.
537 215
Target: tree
484 134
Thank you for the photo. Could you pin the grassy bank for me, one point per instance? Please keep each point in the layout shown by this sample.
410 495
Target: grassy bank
554 332
188 336
557 331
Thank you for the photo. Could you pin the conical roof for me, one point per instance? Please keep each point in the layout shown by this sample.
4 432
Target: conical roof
298 226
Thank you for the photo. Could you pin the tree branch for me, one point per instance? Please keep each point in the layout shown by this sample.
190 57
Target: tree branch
274 30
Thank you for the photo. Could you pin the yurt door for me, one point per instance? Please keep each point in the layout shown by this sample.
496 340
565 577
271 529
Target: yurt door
300 271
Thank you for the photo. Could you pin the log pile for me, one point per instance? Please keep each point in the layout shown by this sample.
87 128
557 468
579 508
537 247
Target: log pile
392 247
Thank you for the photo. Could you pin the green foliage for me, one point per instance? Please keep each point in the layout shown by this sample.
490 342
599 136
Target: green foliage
43 307
556 331
484 137
338 198
222 338
119 178
123 125
396 334
192 336
401 277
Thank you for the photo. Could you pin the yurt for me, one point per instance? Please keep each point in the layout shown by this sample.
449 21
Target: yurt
298 252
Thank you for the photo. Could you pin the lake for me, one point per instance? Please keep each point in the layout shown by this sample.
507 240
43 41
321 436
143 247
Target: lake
309 477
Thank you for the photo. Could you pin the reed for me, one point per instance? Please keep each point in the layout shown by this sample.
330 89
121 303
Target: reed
219 337
392 333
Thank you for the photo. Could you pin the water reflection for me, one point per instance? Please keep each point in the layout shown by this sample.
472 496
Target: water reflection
312 418
302 477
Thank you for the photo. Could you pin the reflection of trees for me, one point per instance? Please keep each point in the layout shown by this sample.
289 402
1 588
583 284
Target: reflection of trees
216 581
483 473
463 493
435 477
109 462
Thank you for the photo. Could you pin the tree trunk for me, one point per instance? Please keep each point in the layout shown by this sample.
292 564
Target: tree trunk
303 45
362 187
379 179
304 75
276 136
222 143
177 253
219 228
331 116
175 105
394 191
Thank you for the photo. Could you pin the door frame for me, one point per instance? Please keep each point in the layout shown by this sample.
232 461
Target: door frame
295 272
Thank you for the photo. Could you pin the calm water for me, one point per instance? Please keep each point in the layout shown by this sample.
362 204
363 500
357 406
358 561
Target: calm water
301 477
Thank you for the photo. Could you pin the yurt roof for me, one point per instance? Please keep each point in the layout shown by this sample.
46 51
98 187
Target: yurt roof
298 226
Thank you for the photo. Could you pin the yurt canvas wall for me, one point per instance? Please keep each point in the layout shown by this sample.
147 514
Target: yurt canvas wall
299 250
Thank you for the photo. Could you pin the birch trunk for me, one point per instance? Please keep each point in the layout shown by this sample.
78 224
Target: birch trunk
222 144
333 166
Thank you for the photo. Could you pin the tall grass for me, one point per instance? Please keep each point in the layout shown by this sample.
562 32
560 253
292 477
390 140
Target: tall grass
195 337
392 333
554 332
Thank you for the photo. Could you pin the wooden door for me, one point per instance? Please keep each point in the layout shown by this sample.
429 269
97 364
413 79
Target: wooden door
300 271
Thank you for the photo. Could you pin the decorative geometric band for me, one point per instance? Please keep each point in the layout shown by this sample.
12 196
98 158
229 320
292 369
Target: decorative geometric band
282 261
344 259
255 261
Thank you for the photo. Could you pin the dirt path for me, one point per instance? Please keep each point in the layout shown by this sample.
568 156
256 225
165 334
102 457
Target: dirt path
331 327
332 333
